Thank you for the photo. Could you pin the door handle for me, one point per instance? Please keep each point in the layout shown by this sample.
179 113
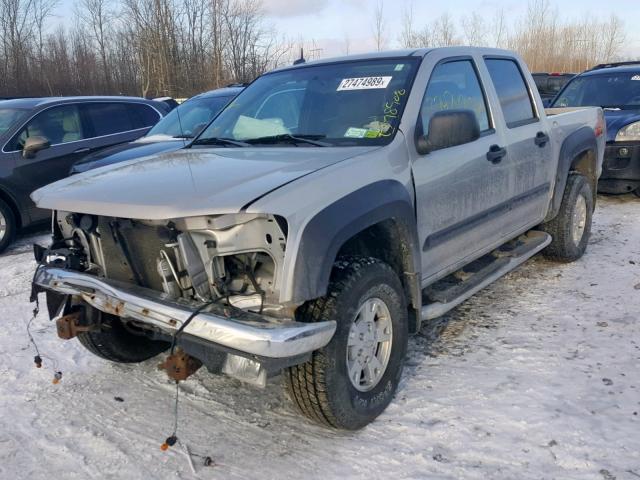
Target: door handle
82 150
541 139
496 153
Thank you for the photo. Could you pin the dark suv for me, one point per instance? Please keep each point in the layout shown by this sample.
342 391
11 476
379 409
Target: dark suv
42 137
616 88
171 133
549 84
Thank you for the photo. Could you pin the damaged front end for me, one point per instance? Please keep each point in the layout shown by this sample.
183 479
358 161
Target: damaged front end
214 279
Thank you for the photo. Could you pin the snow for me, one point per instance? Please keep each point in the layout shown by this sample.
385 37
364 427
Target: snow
535 377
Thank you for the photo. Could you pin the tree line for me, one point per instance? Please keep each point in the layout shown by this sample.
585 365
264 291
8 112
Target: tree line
134 47
545 42
182 47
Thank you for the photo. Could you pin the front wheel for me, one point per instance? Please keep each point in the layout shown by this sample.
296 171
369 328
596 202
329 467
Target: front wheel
571 228
349 382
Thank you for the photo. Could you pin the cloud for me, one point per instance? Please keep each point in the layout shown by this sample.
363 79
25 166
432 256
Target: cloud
293 8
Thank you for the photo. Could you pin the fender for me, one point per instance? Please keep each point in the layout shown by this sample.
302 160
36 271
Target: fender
579 142
330 228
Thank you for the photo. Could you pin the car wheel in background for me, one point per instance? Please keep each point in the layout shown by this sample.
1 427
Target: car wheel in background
7 226
571 228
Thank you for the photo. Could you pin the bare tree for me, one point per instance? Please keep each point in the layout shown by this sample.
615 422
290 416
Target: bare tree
379 26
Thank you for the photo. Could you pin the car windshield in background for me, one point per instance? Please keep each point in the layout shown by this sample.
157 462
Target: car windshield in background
9 116
188 119
347 103
619 90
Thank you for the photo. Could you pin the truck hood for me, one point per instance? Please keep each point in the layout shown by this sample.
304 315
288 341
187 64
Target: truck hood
187 182
617 119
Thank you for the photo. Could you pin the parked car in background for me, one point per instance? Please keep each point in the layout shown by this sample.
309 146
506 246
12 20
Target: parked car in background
42 137
319 218
616 88
549 84
171 133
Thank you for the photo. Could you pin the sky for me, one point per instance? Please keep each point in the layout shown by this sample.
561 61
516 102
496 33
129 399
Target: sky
329 26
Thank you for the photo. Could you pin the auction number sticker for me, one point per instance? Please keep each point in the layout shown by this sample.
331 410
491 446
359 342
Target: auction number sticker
364 83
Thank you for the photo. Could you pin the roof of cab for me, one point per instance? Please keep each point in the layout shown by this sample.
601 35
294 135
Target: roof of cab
411 52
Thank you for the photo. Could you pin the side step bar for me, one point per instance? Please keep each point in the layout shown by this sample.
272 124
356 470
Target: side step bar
451 291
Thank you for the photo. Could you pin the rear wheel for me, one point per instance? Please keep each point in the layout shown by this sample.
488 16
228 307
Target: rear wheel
115 342
7 226
349 382
571 228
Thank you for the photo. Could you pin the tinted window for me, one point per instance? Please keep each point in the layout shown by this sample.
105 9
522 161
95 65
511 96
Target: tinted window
512 91
9 117
58 125
454 86
142 116
618 90
109 118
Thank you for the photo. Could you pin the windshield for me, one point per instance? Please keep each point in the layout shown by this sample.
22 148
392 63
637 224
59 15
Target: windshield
348 103
188 119
619 90
9 116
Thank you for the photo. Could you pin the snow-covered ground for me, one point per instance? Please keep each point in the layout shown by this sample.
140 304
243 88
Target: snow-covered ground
536 377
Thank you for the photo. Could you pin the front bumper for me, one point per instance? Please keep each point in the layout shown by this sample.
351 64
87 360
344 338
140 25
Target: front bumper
245 332
621 168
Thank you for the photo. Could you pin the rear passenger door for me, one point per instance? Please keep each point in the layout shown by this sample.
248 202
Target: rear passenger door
461 191
111 123
529 150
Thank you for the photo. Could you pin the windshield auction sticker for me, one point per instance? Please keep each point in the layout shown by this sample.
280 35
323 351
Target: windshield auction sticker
363 83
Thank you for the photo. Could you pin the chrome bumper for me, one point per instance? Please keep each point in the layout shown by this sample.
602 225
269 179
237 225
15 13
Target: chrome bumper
247 332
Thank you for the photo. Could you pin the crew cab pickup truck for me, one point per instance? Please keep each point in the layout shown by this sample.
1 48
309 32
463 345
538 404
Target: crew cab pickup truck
324 214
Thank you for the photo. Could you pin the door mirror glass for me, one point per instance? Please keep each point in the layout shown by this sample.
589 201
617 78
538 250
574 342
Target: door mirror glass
33 145
449 128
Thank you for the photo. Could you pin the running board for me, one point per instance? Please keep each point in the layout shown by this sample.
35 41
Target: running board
451 291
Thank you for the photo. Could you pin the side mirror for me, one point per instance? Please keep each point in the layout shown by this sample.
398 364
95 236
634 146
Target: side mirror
448 129
33 145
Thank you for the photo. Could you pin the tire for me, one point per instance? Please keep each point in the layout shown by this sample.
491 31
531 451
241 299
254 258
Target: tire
637 192
115 343
321 388
8 225
565 246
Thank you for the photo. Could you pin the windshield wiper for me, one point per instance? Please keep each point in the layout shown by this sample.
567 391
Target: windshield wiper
183 136
220 141
293 139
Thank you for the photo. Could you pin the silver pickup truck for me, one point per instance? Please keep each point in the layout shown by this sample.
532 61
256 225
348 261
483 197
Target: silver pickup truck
331 208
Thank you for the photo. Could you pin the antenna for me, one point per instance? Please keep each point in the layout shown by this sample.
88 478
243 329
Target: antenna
301 59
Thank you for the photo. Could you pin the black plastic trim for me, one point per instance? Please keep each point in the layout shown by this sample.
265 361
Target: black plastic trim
334 225
464 226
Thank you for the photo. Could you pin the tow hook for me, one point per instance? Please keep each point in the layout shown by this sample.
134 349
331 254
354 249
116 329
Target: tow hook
70 325
180 366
